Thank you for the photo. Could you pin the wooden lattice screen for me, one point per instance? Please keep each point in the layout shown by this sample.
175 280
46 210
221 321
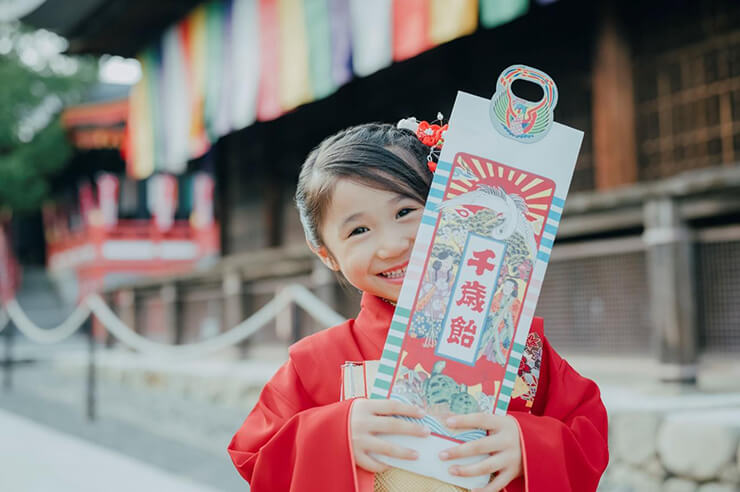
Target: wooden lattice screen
688 106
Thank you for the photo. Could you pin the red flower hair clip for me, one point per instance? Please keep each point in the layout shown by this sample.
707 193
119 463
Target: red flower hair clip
430 134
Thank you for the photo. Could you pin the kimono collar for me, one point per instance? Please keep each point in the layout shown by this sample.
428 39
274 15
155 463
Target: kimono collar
374 320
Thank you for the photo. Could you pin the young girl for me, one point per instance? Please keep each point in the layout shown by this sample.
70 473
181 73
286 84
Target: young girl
360 195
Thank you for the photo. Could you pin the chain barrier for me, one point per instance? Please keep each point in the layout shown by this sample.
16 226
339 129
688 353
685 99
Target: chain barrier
94 304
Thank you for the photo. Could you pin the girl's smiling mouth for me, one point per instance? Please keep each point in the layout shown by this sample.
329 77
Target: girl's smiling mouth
395 274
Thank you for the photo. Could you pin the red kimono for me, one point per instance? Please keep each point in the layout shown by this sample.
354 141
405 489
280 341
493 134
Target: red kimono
297 436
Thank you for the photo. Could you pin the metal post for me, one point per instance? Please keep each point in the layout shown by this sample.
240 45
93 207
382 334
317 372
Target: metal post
91 386
295 317
8 357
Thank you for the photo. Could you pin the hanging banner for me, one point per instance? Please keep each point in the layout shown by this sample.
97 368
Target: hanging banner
145 123
318 34
139 141
222 122
295 88
214 66
268 99
195 42
467 302
410 28
175 102
371 35
341 41
451 19
245 62
232 62
493 13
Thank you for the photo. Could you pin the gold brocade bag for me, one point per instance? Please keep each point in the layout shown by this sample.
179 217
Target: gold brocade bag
355 378
397 480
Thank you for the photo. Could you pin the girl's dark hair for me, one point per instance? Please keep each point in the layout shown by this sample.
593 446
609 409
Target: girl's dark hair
374 154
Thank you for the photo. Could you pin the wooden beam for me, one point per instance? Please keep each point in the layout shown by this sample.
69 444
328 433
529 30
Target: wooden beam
613 106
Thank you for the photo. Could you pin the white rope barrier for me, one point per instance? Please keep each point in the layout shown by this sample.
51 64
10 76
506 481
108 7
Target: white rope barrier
95 304
47 335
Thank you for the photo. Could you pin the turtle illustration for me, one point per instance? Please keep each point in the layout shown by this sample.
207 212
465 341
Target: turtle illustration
438 388
463 402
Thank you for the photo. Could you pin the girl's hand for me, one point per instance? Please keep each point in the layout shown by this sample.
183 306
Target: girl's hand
502 443
368 418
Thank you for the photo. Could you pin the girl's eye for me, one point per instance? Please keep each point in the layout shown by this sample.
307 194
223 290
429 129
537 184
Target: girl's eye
404 211
358 230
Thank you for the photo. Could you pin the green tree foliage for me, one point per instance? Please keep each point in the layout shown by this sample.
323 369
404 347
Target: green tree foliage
37 81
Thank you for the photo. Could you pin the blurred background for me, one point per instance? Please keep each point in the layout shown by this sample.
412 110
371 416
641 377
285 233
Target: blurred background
149 153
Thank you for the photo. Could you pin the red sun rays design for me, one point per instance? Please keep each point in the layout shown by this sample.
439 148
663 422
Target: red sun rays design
537 191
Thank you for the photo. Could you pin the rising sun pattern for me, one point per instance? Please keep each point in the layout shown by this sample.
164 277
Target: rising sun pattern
536 191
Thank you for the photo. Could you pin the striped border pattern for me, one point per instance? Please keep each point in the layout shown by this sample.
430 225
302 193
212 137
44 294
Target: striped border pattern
530 302
400 320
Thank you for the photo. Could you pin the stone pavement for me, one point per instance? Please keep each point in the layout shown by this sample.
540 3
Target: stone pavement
182 438
179 417
37 458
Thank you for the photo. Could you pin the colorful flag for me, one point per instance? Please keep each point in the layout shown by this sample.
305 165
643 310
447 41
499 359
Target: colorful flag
222 123
268 99
144 129
341 41
371 35
139 146
175 102
496 12
195 40
318 34
410 28
451 19
294 77
245 62
214 66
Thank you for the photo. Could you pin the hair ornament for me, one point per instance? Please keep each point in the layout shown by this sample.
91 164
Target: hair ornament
430 134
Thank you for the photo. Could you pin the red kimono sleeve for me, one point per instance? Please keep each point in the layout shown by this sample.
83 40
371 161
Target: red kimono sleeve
288 443
564 439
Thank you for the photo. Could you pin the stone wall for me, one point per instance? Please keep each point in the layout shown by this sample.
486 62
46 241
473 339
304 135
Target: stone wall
665 451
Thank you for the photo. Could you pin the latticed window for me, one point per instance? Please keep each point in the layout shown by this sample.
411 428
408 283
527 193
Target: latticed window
719 283
597 304
687 82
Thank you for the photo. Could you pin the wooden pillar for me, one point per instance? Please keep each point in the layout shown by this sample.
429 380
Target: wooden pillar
125 302
613 106
233 305
171 313
673 290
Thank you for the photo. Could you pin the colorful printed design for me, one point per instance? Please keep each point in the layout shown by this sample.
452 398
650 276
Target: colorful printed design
473 260
514 117
525 386
465 320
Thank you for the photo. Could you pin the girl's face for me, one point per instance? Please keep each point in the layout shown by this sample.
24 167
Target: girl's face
368 235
